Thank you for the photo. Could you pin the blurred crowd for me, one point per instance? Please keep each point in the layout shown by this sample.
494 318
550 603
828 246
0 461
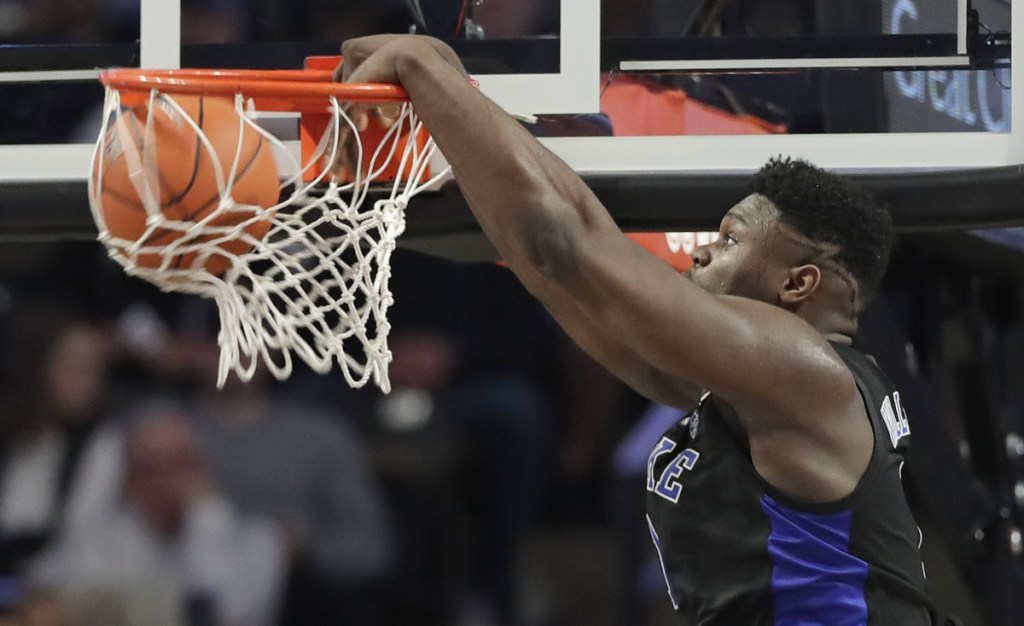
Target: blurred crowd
134 491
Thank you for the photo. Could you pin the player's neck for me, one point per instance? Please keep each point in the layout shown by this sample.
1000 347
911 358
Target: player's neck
837 326
830 314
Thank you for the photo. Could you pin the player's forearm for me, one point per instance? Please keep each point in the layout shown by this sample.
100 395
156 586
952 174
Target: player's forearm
529 203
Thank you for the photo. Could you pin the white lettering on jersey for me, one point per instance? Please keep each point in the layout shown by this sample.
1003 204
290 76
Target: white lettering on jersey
895 418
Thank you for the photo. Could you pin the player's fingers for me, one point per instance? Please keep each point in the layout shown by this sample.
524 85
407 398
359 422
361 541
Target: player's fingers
346 157
350 156
388 113
359 114
350 60
355 52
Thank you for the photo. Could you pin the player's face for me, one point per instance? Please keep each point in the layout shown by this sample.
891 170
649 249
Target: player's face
750 255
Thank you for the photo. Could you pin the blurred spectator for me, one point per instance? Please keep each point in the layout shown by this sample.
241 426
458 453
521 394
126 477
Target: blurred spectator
57 459
306 468
175 551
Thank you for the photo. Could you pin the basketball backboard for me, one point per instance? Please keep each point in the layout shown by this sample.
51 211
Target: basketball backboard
869 89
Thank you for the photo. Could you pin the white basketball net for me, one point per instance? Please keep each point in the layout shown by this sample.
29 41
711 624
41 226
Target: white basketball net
316 285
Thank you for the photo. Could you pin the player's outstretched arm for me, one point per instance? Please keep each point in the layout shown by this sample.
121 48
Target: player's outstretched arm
503 185
648 324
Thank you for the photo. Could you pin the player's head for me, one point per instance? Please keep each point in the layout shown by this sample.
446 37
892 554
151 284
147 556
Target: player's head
831 211
800 230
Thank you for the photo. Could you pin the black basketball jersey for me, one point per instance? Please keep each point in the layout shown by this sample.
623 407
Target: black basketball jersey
736 551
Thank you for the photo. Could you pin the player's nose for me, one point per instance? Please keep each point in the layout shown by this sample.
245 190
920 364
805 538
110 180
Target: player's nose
701 255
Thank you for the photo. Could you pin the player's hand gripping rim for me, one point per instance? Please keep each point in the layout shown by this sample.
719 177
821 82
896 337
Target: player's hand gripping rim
374 59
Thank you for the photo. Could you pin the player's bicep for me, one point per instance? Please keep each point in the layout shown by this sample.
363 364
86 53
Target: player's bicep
596 278
611 288
745 351
673 325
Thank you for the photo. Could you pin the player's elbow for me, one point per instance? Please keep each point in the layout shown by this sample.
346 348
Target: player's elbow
553 240
551 249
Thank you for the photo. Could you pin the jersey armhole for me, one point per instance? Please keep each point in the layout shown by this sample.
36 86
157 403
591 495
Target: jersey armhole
864 484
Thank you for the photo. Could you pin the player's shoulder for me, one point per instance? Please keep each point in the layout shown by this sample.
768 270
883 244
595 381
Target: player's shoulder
781 339
797 381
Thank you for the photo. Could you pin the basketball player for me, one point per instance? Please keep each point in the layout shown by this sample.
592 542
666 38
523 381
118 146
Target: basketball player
778 500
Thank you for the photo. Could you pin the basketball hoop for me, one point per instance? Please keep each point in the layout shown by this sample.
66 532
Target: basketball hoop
300 270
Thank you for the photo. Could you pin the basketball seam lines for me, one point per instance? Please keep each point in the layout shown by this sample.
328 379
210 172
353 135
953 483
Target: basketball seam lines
241 173
154 238
162 233
157 237
140 141
195 160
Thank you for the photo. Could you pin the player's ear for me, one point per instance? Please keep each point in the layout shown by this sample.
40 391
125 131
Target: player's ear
801 282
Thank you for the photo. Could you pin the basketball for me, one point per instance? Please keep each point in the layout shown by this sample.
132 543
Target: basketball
185 180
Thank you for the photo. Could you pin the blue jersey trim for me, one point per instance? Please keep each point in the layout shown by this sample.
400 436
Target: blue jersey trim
815 580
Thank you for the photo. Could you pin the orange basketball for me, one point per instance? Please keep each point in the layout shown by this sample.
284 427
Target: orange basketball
186 178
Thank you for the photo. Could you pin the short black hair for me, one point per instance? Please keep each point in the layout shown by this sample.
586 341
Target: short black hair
832 210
